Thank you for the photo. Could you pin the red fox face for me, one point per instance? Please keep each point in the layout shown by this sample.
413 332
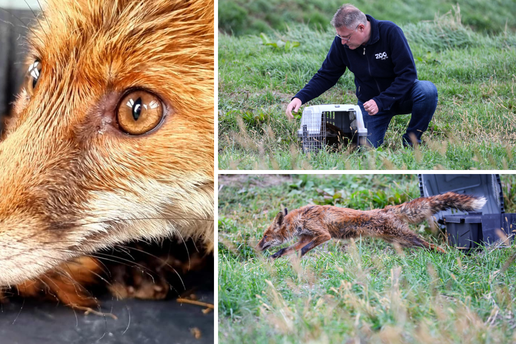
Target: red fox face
276 234
112 136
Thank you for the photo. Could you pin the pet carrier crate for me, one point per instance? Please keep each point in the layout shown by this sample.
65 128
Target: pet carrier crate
469 230
323 125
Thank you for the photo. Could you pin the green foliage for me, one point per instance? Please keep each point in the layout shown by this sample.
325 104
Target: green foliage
241 17
279 44
362 291
232 17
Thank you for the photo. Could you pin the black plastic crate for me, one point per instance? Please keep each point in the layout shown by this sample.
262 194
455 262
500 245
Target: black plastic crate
469 230
464 231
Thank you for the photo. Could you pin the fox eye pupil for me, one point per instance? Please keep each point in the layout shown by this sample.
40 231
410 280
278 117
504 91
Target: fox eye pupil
33 75
137 109
139 112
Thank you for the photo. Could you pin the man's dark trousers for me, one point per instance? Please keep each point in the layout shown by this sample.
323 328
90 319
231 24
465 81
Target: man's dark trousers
421 102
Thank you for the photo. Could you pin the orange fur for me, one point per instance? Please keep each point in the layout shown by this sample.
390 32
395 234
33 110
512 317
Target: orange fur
71 181
66 283
314 224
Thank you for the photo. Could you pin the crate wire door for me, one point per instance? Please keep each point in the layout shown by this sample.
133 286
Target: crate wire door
314 133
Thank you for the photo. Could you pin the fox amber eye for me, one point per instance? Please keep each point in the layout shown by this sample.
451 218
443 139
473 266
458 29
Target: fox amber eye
33 76
139 112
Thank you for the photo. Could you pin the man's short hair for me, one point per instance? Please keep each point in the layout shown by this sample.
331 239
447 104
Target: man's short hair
349 16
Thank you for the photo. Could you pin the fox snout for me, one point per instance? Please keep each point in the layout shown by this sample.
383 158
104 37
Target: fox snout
262 245
268 241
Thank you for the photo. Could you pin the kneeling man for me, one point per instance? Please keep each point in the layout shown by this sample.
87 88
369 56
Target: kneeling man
377 53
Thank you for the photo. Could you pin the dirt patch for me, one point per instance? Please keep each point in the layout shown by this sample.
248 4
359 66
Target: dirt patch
262 180
259 180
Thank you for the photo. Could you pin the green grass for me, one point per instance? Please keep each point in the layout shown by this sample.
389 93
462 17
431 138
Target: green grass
241 17
356 291
473 127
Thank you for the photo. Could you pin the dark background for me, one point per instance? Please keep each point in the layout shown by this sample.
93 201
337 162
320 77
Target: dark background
13 48
149 322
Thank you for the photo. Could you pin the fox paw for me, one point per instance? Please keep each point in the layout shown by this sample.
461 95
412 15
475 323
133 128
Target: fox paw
278 254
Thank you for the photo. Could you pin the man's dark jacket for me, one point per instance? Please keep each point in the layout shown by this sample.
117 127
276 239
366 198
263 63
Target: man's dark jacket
384 67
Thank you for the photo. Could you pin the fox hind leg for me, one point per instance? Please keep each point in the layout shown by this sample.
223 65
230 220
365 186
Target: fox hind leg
399 232
415 240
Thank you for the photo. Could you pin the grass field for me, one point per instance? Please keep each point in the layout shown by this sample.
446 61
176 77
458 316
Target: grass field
473 127
363 291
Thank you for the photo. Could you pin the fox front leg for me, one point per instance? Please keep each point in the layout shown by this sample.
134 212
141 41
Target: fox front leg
279 253
321 239
306 244
303 241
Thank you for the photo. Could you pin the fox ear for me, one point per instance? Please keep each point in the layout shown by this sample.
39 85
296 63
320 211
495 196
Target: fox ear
279 218
285 211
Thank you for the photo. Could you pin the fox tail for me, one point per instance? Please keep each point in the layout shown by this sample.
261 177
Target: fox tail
423 208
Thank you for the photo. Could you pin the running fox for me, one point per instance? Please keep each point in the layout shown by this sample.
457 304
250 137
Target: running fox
315 224
111 139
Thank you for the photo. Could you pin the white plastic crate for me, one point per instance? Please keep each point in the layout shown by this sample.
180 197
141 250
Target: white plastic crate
325 124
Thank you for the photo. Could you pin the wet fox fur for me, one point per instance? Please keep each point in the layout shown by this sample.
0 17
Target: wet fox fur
111 139
314 224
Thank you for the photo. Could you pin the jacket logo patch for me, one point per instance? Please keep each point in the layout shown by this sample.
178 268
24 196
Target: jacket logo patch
381 56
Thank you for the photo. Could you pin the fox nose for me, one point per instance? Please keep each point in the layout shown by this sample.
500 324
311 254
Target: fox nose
262 245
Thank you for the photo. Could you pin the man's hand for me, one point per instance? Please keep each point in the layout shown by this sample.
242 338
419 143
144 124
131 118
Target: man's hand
294 105
371 107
